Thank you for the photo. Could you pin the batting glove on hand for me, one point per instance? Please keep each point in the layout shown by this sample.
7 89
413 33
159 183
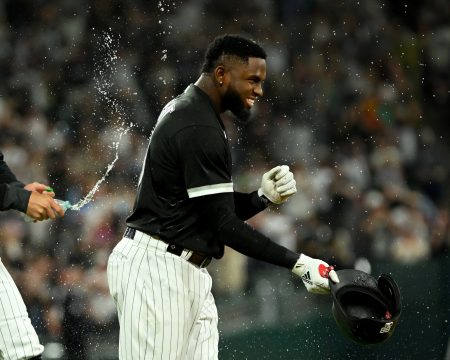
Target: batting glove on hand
314 274
278 184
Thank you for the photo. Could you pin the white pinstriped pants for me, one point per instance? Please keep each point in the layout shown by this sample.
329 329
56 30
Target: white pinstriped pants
18 339
165 306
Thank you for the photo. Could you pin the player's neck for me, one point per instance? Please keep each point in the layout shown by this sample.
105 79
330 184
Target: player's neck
206 84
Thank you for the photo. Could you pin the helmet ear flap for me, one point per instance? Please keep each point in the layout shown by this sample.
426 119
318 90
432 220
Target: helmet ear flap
390 290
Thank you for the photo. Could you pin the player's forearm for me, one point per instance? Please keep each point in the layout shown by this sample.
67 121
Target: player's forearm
248 205
218 212
13 197
246 240
12 193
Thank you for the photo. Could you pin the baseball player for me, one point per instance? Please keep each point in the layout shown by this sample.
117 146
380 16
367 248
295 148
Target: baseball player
18 339
187 210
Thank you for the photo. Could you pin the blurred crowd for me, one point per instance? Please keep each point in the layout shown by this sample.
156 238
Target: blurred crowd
355 103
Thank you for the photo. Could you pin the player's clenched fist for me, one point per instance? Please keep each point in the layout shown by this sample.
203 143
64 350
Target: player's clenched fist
278 184
315 274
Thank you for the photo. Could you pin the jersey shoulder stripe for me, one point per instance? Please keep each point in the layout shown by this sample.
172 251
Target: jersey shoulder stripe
210 190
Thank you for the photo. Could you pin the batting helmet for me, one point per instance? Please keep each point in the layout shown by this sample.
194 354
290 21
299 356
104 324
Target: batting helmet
366 310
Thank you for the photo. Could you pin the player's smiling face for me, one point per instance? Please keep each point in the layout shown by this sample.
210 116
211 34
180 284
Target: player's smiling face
244 85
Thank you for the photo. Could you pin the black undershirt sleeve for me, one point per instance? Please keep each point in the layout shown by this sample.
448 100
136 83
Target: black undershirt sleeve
14 197
218 211
248 205
12 193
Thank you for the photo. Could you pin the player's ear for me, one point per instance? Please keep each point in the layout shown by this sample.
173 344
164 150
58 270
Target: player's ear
220 75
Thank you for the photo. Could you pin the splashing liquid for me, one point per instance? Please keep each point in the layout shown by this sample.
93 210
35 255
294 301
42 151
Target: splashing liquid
66 205
104 86
90 196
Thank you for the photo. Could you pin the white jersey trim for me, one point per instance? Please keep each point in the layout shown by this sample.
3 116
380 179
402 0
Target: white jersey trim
210 189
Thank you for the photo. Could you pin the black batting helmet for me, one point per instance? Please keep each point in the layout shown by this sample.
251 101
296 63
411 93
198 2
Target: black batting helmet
367 310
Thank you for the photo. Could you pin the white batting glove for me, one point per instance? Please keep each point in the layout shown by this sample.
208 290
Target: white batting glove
314 274
278 184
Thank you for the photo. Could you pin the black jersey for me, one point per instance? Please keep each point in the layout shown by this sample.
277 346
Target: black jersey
188 156
12 192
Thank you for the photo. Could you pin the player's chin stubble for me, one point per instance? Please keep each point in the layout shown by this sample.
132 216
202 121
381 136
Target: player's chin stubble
233 102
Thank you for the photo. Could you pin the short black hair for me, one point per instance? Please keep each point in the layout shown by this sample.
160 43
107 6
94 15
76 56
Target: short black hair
236 45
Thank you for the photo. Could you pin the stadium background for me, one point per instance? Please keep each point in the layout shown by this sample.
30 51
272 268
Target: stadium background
356 102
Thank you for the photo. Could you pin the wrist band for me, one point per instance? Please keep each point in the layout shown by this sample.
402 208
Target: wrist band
265 200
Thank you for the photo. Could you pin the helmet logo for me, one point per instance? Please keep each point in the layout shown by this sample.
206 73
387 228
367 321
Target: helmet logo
387 327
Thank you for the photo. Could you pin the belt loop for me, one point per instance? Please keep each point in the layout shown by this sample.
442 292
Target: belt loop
130 233
205 262
175 249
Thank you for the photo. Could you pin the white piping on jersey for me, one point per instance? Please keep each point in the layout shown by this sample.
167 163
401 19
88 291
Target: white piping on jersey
210 189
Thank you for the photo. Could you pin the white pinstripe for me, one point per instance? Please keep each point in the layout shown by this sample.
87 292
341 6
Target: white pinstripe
18 339
165 306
